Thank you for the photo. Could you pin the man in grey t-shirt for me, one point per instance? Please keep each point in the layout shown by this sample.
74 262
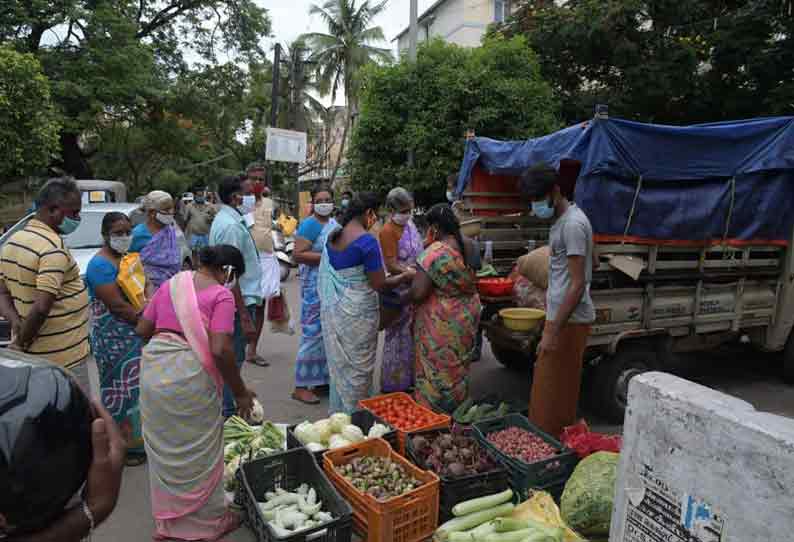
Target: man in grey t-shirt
570 311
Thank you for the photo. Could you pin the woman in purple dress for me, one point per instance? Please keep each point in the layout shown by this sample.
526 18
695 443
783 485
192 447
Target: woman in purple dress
401 244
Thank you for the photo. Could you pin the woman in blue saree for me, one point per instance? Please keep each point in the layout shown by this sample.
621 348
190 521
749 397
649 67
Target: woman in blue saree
311 370
351 276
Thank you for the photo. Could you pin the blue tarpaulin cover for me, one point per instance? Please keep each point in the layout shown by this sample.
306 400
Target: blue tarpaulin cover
727 182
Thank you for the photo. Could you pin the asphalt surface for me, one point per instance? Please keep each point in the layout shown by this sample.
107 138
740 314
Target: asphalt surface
737 370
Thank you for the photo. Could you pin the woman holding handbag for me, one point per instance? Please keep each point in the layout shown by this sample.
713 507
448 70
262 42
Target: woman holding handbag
114 343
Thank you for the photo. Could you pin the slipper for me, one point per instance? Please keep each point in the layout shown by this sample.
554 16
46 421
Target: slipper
307 398
135 460
259 361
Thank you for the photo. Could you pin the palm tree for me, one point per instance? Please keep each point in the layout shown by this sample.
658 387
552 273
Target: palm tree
303 84
342 52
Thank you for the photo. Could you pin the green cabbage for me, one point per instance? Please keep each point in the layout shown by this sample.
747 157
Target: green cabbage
323 427
352 433
306 432
587 501
338 421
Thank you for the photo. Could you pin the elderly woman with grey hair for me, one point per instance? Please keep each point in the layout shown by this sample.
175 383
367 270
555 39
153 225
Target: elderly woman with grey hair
401 244
156 240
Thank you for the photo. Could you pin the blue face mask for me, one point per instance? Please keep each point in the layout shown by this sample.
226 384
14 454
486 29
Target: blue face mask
68 225
542 209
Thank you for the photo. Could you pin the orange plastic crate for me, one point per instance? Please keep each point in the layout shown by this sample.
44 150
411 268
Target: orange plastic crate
377 404
411 517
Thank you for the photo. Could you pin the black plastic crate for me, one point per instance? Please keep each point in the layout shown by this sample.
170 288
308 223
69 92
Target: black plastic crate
362 418
455 490
527 475
288 470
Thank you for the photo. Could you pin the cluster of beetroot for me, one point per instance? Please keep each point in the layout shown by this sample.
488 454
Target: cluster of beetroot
452 455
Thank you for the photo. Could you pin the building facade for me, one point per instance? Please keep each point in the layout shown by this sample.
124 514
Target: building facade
462 22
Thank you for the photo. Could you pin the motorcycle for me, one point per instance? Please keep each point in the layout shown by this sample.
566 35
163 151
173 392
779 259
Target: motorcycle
283 246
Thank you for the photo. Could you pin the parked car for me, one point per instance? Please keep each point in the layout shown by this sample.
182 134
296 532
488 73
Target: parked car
86 240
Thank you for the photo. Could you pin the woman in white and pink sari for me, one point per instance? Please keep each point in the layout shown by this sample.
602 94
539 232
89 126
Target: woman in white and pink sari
189 324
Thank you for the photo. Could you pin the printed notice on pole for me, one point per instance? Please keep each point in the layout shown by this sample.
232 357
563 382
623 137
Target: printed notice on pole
285 146
655 512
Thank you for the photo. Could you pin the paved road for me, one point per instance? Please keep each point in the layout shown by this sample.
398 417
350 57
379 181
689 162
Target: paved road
737 371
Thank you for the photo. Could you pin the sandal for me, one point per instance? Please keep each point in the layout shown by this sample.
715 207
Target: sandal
135 460
305 396
259 361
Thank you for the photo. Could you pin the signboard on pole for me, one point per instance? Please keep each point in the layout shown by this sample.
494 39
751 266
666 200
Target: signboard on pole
285 146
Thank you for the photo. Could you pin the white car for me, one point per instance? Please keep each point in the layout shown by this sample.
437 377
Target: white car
86 240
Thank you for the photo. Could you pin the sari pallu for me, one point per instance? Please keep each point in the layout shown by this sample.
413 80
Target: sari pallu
397 373
183 427
350 318
117 351
161 257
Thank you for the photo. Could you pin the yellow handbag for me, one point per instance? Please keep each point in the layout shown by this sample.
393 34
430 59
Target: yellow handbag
132 280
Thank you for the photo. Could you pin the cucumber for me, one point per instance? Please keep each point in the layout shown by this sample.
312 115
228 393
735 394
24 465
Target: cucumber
482 503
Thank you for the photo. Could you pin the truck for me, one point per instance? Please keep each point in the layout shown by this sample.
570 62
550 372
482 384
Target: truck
694 229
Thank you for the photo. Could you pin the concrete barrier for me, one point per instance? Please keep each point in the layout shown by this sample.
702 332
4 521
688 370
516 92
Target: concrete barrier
701 466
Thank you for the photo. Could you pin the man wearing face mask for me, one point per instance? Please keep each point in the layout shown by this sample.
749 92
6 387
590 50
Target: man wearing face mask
198 219
230 227
569 307
41 293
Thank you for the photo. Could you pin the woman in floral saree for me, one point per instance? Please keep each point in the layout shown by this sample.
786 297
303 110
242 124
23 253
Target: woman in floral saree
447 314
184 366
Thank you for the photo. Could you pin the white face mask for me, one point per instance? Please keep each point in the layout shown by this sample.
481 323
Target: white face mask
323 209
450 196
120 243
164 219
401 219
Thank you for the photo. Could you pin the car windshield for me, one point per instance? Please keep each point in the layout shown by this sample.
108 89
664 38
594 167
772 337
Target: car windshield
89 233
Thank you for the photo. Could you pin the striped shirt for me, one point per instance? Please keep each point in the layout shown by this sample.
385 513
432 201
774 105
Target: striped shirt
35 258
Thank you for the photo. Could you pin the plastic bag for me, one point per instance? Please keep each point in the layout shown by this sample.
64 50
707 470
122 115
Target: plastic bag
541 507
584 442
535 266
287 224
132 280
283 325
589 495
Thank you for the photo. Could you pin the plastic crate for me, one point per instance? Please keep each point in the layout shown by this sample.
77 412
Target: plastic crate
362 418
524 476
455 490
288 470
411 517
374 404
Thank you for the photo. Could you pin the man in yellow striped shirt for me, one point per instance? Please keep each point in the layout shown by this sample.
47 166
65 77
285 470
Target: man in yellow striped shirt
41 292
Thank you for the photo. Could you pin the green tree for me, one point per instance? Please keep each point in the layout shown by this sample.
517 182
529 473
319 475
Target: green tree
664 60
109 61
344 50
426 107
29 123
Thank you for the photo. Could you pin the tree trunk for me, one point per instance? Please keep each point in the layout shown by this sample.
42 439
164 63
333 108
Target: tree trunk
73 160
348 117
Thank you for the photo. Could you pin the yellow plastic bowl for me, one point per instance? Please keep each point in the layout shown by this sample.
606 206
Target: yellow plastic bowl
520 319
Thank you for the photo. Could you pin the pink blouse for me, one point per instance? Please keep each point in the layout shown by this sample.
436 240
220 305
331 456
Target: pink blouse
216 304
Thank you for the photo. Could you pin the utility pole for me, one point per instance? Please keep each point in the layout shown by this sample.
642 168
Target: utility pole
413 32
413 38
274 95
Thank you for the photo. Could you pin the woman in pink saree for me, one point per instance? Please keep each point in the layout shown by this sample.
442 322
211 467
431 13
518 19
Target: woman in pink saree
183 368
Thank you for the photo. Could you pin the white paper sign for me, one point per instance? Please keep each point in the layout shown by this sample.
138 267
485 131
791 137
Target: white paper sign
285 146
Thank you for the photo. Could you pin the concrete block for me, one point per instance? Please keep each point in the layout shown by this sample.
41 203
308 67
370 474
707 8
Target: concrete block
701 466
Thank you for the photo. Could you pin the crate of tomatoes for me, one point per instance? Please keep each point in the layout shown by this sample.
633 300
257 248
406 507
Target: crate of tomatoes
533 459
392 500
404 414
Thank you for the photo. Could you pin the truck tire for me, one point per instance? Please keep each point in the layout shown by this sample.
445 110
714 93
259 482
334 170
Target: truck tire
611 379
788 360
513 359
